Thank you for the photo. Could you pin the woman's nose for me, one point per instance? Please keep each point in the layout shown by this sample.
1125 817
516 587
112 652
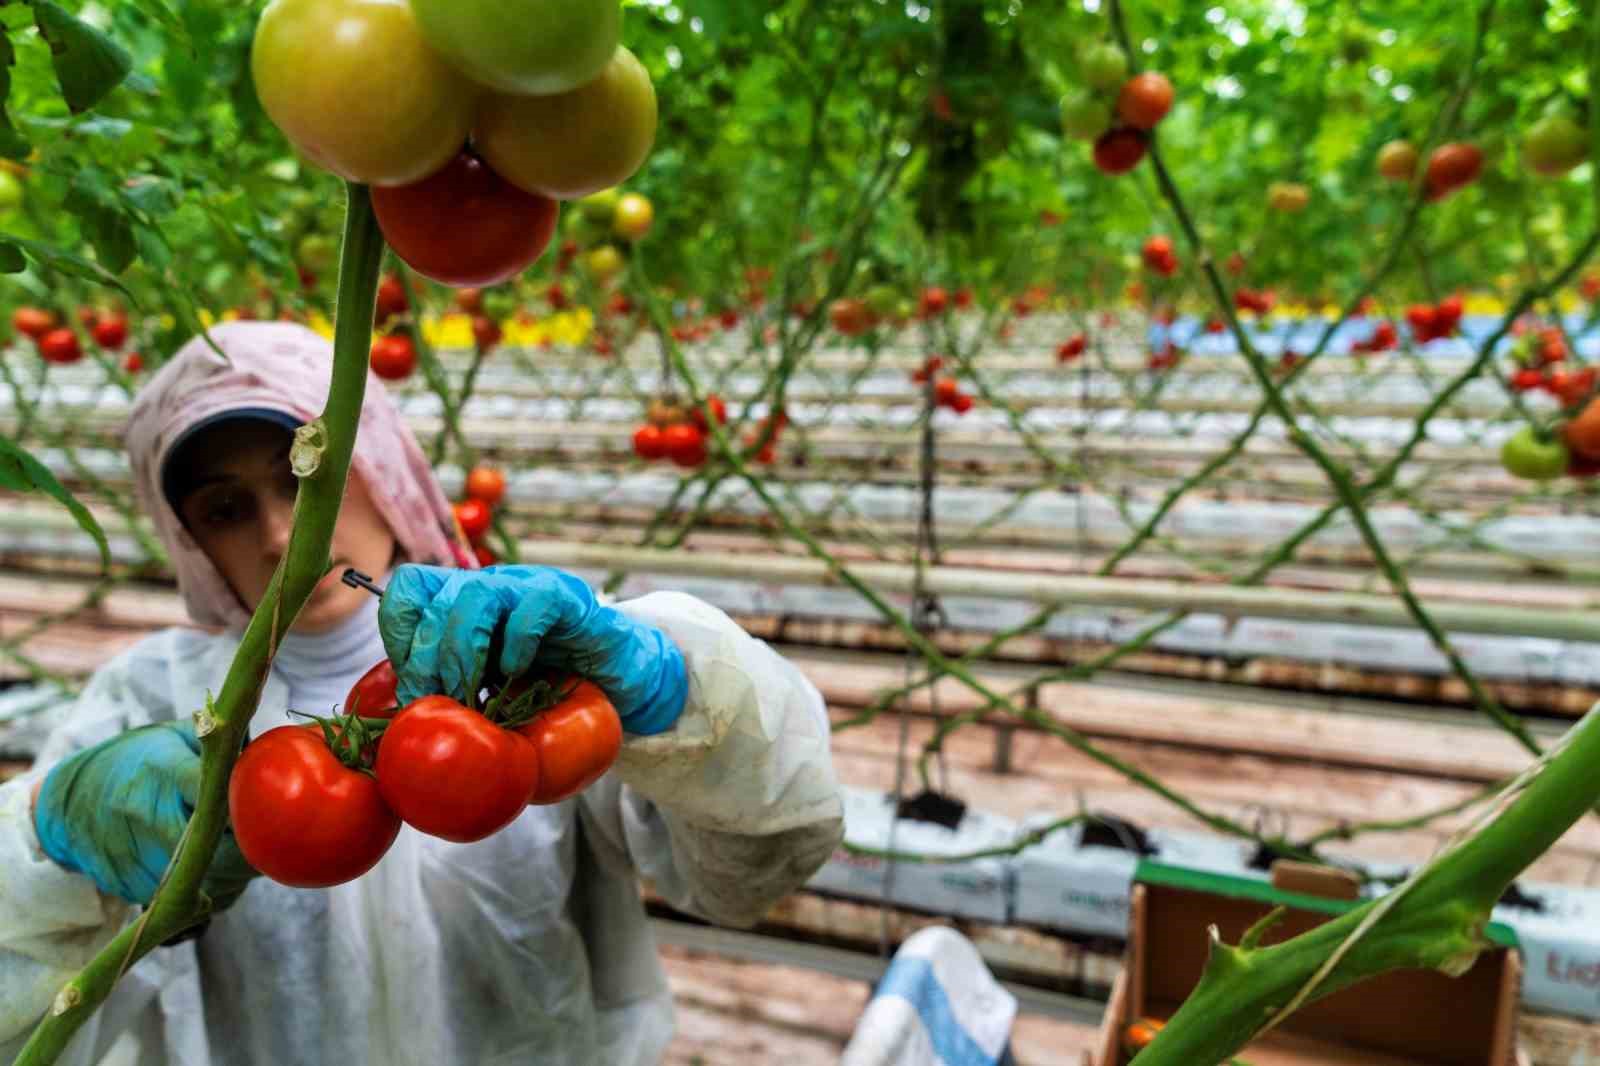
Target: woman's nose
277 518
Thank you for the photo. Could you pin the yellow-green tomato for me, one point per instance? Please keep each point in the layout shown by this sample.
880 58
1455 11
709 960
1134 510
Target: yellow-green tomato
527 47
11 192
355 88
603 263
634 215
600 207
1084 115
1554 145
576 143
1526 455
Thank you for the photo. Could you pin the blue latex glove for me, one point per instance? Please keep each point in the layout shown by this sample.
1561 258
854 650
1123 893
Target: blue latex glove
115 813
439 624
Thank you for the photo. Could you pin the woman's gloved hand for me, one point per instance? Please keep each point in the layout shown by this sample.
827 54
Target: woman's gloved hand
115 813
439 626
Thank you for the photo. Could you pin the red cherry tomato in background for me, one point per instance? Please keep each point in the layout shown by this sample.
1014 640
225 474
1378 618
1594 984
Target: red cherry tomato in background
448 771
110 332
1145 100
474 518
718 408
487 484
649 442
1119 150
685 444
34 322
391 297
60 346
303 818
393 357
465 224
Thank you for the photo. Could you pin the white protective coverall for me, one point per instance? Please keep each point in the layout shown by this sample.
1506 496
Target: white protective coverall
530 946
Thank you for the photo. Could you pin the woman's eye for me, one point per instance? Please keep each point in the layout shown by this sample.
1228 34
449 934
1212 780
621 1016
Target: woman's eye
225 509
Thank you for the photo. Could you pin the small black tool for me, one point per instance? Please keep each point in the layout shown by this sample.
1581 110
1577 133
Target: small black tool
357 580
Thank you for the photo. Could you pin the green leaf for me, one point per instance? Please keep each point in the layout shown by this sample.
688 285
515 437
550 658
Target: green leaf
13 145
53 258
88 64
21 472
12 260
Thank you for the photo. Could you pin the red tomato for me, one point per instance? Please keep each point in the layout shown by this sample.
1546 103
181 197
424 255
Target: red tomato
945 391
448 771
469 300
933 301
394 357
133 362
961 404
1119 150
34 322
684 444
485 333
1424 321
718 408
1447 314
1145 100
649 442
1576 388
577 740
464 224
60 346
964 298
87 316
1072 347
1526 380
391 297
850 317
487 484
484 556
729 319
303 818
1450 166
1583 432
1158 252
372 696
111 332
474 518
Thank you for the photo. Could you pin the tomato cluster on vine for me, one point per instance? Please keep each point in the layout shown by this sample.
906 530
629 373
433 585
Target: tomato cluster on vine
1432 322
677 433
485 488
60 344
1159 255
467 134
1114 111
1072 348
317 805
1384 338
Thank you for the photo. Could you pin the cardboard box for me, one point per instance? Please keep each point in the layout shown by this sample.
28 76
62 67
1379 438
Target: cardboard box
1401 1018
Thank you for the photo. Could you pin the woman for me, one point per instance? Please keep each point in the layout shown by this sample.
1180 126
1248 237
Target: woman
530 946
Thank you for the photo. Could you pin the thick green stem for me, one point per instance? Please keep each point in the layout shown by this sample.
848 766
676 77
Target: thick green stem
322 460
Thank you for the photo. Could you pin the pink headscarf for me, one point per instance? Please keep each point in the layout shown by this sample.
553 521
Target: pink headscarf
281 367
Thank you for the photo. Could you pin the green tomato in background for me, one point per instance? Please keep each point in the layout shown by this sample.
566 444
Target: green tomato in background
525 47
1104 66
1554 145
11 192
317 252
1525 455
881 299
601 207
1084 116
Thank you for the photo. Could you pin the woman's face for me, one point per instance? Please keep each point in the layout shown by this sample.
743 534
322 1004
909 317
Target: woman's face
238 504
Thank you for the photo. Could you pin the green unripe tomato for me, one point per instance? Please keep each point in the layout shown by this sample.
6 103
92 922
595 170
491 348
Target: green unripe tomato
1104 65
601 207
317 252
1554 145
881 299
1084 116
11 192
1525 455
525 47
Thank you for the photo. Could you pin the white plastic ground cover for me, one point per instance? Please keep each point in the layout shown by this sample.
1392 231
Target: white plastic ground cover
1067 886
978 889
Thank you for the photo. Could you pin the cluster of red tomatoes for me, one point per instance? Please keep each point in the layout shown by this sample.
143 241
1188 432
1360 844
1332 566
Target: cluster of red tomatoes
1159 256
1071 348
58 343
394 353
1540 355
946 390
677 433
1114 111
1572 446
485 488
1165 357
467 133
1450 166
319 804
1260 301
1436 321
1384 338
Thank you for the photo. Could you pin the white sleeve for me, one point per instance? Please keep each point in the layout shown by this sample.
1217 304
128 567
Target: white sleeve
737 804
51 921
